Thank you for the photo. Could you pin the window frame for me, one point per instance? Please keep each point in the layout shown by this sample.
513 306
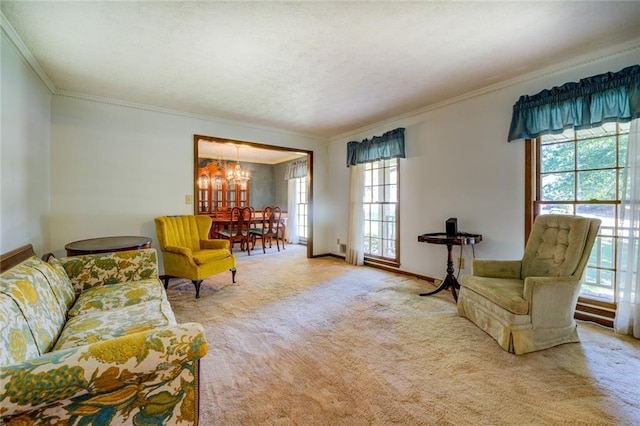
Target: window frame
301 189
588 308
380 260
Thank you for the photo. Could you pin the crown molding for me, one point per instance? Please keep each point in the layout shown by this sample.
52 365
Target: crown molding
14 39
169 111
12 36
575 62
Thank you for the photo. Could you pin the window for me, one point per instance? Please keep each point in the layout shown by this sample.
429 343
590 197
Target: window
580 172
380 202
301 209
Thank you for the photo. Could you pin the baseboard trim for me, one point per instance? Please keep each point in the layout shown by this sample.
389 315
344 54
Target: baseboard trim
386 268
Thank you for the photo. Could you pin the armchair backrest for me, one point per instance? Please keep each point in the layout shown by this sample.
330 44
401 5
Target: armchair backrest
182 231
559 246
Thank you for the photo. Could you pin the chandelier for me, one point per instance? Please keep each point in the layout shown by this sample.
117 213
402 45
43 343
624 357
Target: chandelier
236 174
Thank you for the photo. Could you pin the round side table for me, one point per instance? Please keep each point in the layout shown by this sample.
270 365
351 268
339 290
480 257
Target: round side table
107 245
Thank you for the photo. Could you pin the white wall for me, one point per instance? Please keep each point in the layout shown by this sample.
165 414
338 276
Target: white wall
25 201
114 168
459 164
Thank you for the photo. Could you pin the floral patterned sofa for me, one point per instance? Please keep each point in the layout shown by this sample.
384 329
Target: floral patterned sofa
93 340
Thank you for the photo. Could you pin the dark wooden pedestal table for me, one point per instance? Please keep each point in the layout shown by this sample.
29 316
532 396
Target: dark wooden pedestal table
450 281
107 245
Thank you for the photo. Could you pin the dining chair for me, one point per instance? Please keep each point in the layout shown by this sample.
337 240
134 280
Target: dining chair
269 227
238 230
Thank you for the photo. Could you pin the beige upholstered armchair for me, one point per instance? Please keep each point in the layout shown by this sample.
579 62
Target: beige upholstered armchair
528 305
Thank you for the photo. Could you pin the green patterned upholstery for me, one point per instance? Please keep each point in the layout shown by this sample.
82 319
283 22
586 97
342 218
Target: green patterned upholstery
114 296
113 354
32 293
16 339
110 268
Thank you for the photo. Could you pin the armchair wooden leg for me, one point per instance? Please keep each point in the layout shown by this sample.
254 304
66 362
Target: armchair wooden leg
165 278
233 275
197 284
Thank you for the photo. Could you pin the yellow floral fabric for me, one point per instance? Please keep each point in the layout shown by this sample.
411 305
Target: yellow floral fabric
111 268
16 340
114 355
142 378
31 292
96 326
58 281
114 296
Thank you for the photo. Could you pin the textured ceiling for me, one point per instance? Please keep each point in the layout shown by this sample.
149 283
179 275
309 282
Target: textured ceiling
314 68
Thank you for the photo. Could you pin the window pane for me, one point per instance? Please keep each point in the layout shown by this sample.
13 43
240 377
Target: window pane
556 209
597 185
390 212
375 246
597 153
377 194
557 187
598 284
557 157
367 212
367 196
604 212
367 178
623 142
376 212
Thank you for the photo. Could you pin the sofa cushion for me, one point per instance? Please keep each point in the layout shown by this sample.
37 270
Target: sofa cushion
33 295
97 326
115 296
16 340
507 293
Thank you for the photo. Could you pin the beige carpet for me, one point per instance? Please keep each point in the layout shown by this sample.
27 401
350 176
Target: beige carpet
301 341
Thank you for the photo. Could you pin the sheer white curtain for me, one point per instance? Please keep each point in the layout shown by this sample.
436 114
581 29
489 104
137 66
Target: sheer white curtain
355 249
628 311
292 212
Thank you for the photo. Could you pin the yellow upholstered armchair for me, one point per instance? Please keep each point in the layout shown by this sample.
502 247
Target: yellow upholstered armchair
528 305
188 252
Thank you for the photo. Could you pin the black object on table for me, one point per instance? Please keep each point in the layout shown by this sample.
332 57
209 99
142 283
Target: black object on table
462 238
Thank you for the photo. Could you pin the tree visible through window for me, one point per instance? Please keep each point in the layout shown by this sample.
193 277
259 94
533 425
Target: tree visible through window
380 202
580 172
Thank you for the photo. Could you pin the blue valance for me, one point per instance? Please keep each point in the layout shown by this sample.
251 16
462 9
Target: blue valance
608 97
296 169
389 145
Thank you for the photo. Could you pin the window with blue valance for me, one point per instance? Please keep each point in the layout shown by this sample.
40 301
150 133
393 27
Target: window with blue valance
591 102
296 169
389 145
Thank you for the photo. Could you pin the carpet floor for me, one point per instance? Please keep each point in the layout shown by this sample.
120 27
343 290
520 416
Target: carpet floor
300 341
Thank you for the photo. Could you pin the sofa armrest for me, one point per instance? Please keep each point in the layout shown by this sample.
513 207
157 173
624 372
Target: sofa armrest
151 375
215 244
552 300
92 270
496 268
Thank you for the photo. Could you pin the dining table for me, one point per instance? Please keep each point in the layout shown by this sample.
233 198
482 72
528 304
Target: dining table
221 222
